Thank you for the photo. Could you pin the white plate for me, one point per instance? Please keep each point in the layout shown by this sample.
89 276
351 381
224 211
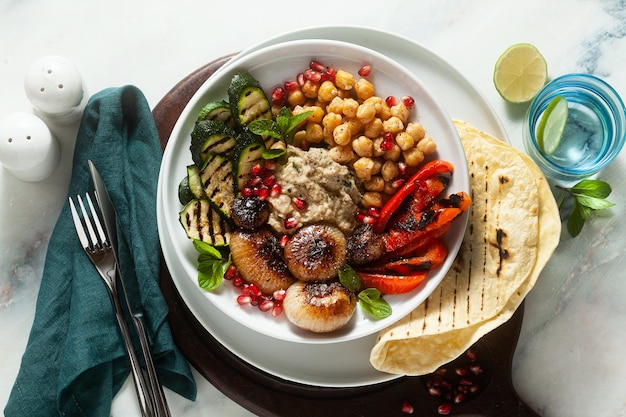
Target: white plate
343 364
272 66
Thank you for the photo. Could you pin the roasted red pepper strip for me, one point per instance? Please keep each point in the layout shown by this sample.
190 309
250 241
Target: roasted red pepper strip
392 284
435 254
422 198
428 170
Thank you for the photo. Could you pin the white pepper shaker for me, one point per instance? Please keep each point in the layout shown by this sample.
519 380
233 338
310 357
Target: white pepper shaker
56 89
27 147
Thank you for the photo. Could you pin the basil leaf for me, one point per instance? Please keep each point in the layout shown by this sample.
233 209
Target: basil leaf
206 248
210 275
592 188
349 278
371 302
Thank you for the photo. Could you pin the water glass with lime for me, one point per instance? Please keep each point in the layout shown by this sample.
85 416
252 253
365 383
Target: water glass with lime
575 126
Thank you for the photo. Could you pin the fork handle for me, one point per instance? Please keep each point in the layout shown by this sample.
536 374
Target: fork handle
161 408
143 394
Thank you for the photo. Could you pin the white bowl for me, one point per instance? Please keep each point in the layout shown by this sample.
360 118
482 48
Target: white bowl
272 66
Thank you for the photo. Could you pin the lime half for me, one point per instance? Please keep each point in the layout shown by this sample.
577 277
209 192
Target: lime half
552 125
519 73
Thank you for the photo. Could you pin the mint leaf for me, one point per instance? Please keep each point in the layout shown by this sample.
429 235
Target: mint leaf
206 248
589 196
211 265
372 302
296 120
349 278
266 127
272 153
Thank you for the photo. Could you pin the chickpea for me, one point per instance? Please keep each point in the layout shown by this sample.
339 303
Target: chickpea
377 150
405 141
394 154
389 189
363 146
296 98
427 145
317 115
335 106
378 164
376 183
373 129
364 89
354 125
393 125
314 132
298 137
342 135
416 130
366 113
310 89
341 154
331 121
363 168
400 111
372 199
344 80
327 91
389 171
413 157
350 107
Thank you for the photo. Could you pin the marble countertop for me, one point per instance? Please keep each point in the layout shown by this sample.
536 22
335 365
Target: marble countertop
569 360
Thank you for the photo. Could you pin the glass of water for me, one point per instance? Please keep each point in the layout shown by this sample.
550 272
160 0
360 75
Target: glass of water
594 133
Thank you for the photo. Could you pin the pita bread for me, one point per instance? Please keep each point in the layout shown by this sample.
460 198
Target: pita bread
484 287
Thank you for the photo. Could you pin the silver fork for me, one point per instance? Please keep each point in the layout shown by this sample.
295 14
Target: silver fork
100 253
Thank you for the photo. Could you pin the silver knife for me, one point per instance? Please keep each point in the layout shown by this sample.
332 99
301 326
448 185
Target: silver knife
159 403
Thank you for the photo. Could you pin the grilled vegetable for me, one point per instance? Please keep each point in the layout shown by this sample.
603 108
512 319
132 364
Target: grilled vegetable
202 222
217 182
210 137
248 153
217 110
247 99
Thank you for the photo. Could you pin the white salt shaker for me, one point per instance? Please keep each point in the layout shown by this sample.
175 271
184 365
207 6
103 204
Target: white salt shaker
56 89
27 147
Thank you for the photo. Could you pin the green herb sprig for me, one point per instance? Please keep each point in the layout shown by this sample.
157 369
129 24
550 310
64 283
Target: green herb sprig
589 196
370 299
283 129
212 265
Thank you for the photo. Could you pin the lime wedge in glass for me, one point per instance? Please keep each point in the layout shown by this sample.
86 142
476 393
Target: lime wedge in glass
552 125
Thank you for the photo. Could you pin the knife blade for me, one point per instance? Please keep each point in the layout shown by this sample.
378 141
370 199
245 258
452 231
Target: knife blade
159 403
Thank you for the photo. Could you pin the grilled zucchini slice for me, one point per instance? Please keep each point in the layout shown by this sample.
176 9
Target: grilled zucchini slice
210 137
202 222
248 153
217 183
247 99
217 110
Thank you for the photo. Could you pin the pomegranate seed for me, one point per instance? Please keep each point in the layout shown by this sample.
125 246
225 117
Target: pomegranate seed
444 409
476 369
441 371
279 295
270 180
304 145
408 101
253 181
254 301
300 79
283 241
264 193
277 310
317 66
374 212
245 289
279 96
300 203
359 216
388 142
434 391
329 75
243 299
397 183
266 305
291 86
465 381
291 222
407 408
269 165
474 388
231 273
365 70
471 355
459 398
312 75
403 168
369 220
238 282
256 170
247 192
254 290
276 190
461 371
391 101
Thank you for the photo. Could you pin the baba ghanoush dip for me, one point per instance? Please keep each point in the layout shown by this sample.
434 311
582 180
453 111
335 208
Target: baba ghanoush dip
313 180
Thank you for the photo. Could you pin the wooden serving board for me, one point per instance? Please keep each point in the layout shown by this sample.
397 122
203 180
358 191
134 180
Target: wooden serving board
267 395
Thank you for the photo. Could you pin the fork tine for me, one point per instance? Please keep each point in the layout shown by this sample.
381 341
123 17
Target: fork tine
78 225
90 231
96 220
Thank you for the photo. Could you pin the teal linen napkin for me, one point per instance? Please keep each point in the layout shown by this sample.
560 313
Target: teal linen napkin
74 361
